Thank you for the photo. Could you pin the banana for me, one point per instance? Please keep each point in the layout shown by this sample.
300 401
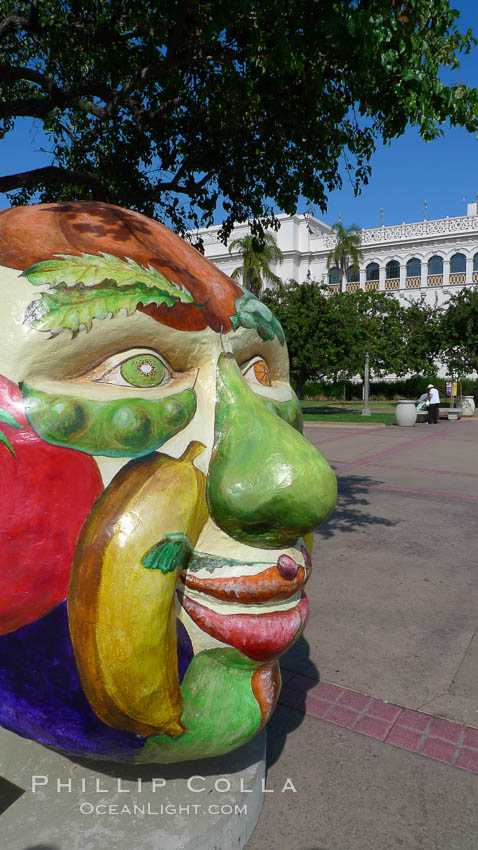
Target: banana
121 604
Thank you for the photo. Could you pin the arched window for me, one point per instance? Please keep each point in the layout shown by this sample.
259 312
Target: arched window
334 275
458 263
435 265
414 267
475 263
372 272
353 275
392 270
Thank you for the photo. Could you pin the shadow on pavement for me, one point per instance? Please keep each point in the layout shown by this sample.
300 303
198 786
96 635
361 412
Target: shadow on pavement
298 660
132 771
9 793
350 514
284 720
42 847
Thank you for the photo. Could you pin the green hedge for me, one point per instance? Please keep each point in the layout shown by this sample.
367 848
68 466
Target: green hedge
381 390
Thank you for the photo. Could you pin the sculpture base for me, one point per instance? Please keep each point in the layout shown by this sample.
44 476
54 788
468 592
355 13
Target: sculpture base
52 802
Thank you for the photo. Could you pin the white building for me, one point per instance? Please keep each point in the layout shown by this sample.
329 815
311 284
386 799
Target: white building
439 256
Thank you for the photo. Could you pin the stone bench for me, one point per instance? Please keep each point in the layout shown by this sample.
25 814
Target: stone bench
443 413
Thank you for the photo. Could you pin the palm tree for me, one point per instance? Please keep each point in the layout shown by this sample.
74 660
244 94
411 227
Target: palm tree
256 255
347 251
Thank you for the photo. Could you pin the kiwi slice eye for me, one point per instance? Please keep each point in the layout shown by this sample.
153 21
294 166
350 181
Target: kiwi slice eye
143 370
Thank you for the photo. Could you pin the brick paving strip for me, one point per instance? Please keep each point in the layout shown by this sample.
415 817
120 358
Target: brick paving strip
433 737
393 450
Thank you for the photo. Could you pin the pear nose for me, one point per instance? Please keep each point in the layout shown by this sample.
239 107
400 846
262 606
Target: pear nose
267 485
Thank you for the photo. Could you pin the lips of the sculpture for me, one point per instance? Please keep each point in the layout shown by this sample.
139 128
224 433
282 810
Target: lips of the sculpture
261 637
252 589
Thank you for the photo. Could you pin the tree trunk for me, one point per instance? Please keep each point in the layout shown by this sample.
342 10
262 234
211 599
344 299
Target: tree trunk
300 381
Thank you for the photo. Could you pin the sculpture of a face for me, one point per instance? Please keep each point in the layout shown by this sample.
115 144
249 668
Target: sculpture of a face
156 491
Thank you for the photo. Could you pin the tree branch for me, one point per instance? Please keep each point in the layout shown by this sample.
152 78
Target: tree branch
60 96
191 188
37 107
32 108
171 47
218 53
54 174
13 22
76 95
89 88
15 73
49 174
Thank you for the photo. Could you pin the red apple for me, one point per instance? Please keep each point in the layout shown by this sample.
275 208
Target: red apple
46 493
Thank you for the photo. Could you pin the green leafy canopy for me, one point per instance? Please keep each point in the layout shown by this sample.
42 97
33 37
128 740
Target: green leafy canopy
168 107
328 334
94 287
458 330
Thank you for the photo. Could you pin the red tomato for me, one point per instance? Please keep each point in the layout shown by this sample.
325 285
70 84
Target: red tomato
46 493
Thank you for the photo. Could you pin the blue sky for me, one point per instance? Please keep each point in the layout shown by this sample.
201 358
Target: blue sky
409 171
404 174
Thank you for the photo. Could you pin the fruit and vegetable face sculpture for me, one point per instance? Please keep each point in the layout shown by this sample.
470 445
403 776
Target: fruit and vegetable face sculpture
156 491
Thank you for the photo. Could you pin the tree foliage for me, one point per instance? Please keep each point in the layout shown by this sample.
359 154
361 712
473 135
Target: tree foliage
346 251
167 106
421 335
459 333
328 334
313 331
256 254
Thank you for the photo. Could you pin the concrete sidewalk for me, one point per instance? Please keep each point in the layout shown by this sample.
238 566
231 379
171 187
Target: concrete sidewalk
384 751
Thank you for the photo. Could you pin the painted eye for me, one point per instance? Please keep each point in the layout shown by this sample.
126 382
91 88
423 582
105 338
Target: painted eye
143 370
258 373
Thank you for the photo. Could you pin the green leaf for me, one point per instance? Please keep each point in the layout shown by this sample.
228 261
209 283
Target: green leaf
171 553
7 443
92 269
71 307
7 417
252 313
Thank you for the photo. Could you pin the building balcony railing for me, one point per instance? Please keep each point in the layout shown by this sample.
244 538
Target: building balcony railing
371 284
415 230
412 282
457 277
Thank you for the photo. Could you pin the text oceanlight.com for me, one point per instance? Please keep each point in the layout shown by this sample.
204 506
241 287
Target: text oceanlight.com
188 809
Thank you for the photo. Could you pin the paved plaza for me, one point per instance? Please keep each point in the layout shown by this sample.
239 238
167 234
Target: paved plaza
383 750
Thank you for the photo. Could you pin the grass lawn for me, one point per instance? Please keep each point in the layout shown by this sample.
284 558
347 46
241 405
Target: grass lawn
320 411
